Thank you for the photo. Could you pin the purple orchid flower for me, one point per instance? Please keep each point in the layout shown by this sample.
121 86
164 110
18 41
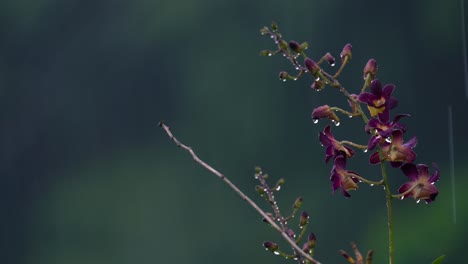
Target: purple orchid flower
340 177
383 129
421 184
379 101
334 147
397 152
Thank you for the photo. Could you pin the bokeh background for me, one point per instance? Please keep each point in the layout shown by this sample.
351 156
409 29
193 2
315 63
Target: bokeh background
88 177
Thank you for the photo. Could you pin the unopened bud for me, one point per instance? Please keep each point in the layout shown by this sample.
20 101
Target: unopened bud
346 52
324 111
347 256
260 189
318 85
298 203
330 59
274 26
291 233
283 75
311 65
311 240
295 46
283 45
278 184
264 30
304 219
270 246
265 53
371 69
304 45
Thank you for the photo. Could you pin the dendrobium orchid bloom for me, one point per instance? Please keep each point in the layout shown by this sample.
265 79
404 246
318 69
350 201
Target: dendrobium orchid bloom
343 178
324 111
379 101
383 130
396 151
421 186
334 147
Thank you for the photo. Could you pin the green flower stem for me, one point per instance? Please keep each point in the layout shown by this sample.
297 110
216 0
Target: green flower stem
371 183
389 213
353 144
334 108
301 235
345 61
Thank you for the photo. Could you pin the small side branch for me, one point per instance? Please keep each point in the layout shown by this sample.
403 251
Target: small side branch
239 192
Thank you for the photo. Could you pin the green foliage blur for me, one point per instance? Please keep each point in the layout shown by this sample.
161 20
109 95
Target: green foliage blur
88 177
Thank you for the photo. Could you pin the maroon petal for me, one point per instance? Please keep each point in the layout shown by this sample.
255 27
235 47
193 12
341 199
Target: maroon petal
397 137
376 88
435 176
391 103
384 117
324 140
410 170
374 158
373 142
340 162
388 90
396 164
398 117
404 188
365 97
412 142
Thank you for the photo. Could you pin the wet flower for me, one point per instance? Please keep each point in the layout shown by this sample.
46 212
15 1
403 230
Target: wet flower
343 178
311 65
370 69
295 46
421 186
346 52
396 151
383 129
379 101
329 58
324 111
334 147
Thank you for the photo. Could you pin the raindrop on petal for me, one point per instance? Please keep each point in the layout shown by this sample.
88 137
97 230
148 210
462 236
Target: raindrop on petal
388 140
365 151
418 201
337 123
315 121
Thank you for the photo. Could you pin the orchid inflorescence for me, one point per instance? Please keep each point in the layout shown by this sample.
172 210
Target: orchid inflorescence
386 134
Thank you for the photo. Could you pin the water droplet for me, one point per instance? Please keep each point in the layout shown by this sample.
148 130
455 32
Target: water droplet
295 258
297 68
337 123
365 151
306 71
269 54
265 189
371 184
403 197
295 79
388 140
315 121
317 79
284 80
333 64
276 252
278 188
272 36
418 201
350 116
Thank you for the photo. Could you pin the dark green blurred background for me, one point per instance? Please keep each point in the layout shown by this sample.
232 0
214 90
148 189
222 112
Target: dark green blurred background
88 177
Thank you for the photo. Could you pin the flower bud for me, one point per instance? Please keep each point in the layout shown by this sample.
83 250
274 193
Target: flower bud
330 59
264 30
283 75
291 233
304 45
324 111
278 184
311 240
297 204
318 85
311 65
295 46
260 189
304 219
283 45
265 53
274 26
371 69
347 256
271 246
346 52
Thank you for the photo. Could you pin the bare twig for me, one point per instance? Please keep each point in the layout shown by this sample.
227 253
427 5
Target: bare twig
239 192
